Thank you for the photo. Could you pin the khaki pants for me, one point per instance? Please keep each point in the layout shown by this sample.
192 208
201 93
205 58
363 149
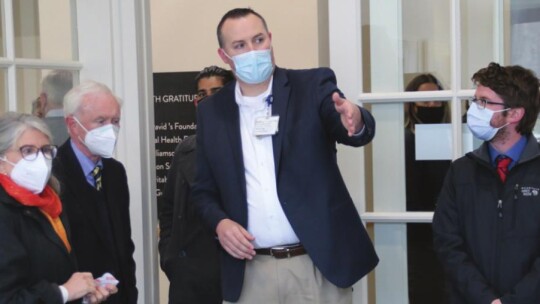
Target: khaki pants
295 280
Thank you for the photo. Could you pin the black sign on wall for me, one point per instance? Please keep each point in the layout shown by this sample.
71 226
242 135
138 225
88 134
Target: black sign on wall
174 116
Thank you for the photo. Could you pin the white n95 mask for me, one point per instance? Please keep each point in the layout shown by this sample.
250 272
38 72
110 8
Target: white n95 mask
32 175
100 141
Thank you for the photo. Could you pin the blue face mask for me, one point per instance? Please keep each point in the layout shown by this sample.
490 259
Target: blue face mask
253 67
479 122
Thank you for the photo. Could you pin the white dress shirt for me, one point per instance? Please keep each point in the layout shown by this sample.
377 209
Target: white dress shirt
266 220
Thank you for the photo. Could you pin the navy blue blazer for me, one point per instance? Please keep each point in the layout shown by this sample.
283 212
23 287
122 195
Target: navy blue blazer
310 187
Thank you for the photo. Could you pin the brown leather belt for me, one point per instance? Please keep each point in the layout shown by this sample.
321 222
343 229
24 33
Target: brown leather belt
282 252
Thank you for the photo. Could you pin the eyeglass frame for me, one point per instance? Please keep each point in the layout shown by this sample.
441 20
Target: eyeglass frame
48 151
484 102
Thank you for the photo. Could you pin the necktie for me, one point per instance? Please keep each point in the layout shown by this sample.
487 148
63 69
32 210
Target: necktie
96 173
502 166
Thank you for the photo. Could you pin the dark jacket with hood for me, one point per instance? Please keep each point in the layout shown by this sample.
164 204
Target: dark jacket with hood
487 233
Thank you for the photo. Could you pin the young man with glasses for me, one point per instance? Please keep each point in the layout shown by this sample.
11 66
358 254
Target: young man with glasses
486 224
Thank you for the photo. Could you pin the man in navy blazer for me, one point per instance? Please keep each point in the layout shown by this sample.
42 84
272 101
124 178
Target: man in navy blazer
267 177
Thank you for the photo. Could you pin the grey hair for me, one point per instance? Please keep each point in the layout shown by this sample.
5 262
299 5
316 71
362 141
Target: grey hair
13 125
74 98
56 84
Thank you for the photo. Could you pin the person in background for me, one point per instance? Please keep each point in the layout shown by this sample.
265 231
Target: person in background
36 108
53 88
268 181
424 179
37 264
210 80
188 250
486 226
95 190
428 112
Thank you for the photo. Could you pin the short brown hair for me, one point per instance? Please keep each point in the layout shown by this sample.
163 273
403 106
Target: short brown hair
236 13
518 88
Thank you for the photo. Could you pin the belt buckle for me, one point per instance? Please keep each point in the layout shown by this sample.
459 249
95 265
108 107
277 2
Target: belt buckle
280 250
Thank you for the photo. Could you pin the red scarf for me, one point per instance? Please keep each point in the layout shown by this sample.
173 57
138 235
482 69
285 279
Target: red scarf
47 201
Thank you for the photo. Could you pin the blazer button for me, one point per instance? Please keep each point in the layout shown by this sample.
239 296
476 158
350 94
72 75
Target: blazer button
182 254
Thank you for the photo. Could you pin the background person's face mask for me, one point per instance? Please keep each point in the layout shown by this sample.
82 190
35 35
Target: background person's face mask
100 141
430 115
32 175
253 67
479 122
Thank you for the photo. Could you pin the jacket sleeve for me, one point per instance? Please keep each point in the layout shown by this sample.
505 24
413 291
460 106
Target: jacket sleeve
205 193
528 289
450 246
128 265
14 271
326 86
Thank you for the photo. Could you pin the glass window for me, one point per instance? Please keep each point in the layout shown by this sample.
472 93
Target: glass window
405 166
416 42
2 32
42 91
479 43
525 34
424 271
3 91
43 29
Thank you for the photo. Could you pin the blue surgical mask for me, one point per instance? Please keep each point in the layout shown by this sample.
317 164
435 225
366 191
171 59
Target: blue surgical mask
479 122
253 67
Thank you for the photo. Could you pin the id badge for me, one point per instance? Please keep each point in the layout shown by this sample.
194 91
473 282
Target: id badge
267 125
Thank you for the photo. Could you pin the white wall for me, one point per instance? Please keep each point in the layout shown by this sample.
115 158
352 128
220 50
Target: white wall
184 32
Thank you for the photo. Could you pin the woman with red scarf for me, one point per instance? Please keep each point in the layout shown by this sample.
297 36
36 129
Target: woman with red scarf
36 262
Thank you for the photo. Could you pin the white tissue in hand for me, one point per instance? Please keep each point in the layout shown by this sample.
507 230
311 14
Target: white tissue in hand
107 279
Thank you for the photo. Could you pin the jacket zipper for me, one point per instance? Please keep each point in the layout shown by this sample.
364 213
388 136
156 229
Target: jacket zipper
499 208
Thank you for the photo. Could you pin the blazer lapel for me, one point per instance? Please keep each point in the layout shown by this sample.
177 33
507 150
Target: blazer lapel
116 223
86 195
280 92
231 114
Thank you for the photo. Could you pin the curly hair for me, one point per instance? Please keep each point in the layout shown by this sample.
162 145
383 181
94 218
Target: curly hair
518 88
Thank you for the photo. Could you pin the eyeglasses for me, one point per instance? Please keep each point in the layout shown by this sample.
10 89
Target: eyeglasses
30 152
481 103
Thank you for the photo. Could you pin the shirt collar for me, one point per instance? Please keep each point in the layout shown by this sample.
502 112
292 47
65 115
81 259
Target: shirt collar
514 152
87 164
55 113
256 102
